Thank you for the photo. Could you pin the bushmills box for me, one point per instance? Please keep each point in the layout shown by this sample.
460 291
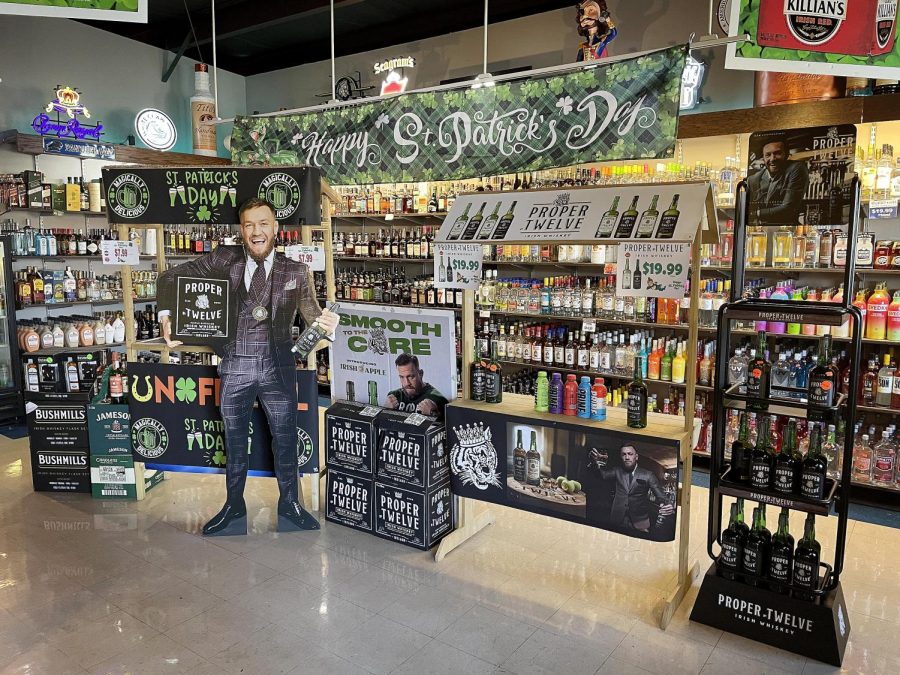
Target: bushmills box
57 422
418 519
60 470
411 450
349 499
350 436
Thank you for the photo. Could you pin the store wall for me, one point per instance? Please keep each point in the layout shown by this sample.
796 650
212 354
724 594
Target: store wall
116 76
538 41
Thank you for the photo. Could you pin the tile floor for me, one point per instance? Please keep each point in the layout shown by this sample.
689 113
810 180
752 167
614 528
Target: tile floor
116 587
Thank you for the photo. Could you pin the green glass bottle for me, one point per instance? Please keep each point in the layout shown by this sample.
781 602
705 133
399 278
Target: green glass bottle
786 469
815 467
781 560
806 561
732 543
742 452
637 397
763 454
756 550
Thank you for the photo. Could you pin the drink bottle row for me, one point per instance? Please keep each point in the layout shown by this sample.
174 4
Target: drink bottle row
26 240
71 331
48 287
28 189
807 247
179 240
597 254
417 244
755 556
393 288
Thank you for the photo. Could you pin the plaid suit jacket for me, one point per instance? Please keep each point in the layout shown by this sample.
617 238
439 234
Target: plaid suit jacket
293 291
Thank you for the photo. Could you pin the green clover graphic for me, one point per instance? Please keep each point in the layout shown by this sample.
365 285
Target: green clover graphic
185 389
203 214
219 458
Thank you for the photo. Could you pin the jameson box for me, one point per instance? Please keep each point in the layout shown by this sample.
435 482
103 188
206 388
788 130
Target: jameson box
349 499
837 26
112 466
350 435
57 421
112 477
411 450
418 519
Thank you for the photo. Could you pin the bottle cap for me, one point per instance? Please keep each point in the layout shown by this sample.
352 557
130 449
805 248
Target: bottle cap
570 378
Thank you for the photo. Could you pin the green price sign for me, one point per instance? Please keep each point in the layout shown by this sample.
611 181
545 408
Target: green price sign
469 265
670 269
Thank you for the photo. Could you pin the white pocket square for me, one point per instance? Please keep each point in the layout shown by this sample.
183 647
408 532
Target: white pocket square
291 285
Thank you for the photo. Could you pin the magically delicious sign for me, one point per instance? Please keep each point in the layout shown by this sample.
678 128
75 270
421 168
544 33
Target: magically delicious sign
617 109
202 310
209 195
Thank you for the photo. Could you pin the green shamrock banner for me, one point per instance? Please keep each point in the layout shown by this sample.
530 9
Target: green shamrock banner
620 109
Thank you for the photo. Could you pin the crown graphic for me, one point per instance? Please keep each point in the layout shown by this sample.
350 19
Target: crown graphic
472 436
67 96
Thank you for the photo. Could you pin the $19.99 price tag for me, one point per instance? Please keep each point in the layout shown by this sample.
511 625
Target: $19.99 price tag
653 270
457 265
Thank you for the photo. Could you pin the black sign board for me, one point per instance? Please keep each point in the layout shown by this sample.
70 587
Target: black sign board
60 470
418 519
203 311
350 436
411 450
175 419
349 499
210 195
58 423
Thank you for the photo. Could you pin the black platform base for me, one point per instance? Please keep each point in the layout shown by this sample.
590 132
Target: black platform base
819 631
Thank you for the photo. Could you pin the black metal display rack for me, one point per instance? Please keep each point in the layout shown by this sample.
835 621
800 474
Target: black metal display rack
817 627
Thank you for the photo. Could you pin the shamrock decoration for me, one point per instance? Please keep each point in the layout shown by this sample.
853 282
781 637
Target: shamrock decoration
219 458
565 104
382 120
185 389
203 214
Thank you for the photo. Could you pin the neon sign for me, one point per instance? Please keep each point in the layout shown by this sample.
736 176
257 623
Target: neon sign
691 81
393 64
68 104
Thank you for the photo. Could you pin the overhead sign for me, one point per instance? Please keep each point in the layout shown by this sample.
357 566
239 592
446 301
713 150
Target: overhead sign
60 117
155 129
85 149
691 81
662 211
393 64
833 37
132 11
209 195
617 109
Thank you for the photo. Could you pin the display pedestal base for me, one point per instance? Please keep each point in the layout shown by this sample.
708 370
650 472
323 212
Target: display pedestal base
818 631
468 526
677 595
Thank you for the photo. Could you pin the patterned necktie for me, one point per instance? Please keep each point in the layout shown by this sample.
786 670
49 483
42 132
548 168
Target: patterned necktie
258 283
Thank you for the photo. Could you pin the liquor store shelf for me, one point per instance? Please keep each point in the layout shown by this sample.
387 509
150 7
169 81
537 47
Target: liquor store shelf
52 212
51 351
863 271
384 304
386 217
597 373
894 412
95 303
89 258
620 322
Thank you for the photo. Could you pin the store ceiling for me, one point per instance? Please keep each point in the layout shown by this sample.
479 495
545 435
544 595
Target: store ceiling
257 36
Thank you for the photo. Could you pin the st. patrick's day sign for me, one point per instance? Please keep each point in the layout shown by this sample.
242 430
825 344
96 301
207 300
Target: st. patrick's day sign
617 109
209 195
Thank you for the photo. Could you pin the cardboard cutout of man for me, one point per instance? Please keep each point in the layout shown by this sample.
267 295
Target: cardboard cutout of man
598 29
267 292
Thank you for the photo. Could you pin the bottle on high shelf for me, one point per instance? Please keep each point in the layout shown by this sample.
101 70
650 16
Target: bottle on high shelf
788 462
732 543
763 456
757 548
823 378
806 561
742 452
758 371
781 557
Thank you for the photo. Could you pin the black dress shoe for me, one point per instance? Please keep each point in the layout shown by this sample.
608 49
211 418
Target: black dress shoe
293 517
231 520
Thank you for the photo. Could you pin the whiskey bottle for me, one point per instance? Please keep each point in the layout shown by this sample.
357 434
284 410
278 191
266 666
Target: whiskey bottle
742 452
732 542
636 277
648 220
781 560
669 220
533 462
519 459
505 222
786 472
806 561
637 397
459 224
823 378
758 371
815 467
756 549
487 229
474 223
608 221
311 337
493 378
478 376
627 221
763 453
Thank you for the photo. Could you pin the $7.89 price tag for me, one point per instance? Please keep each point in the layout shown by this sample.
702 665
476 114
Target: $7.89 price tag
653 269
119 253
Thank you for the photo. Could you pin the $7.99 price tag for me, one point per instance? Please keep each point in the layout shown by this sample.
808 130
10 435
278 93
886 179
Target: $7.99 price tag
119 253
312 256
653 270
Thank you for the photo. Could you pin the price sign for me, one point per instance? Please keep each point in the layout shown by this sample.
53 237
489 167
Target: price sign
882 209
312 256
457 265
653 269
119 253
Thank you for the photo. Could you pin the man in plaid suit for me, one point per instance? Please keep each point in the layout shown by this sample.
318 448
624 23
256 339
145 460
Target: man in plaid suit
267 292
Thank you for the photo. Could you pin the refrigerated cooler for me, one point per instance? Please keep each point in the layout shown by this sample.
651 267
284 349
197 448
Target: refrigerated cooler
11 402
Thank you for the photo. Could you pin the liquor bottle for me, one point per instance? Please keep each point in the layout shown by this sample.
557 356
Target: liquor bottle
823 378
885 383
806 561
637 397
311 337
478 373
763 454
742 452
542 393
433 202
884 459
758 371
117 378
876 313
519 461
781 559
669 220
756 548
732 542
862 461
203 109
493 378
473 225
608 221
627 221
636 278
787 462
533 462
505 222
648 220
487 228
815 467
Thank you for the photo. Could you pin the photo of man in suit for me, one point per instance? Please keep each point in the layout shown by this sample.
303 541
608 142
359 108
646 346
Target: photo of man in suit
268 290
776 191
631 486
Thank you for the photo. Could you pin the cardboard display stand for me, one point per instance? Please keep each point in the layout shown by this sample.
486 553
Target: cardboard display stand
557 215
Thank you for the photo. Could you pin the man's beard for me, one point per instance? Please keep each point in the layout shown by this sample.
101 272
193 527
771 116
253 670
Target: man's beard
585 30
264 255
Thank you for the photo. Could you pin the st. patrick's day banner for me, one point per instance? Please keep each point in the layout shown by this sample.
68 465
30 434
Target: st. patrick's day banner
616 109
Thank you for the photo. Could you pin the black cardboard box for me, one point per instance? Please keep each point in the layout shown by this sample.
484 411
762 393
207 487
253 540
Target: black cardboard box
350 436
55 470
414 518
57 421
348 499
411 450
